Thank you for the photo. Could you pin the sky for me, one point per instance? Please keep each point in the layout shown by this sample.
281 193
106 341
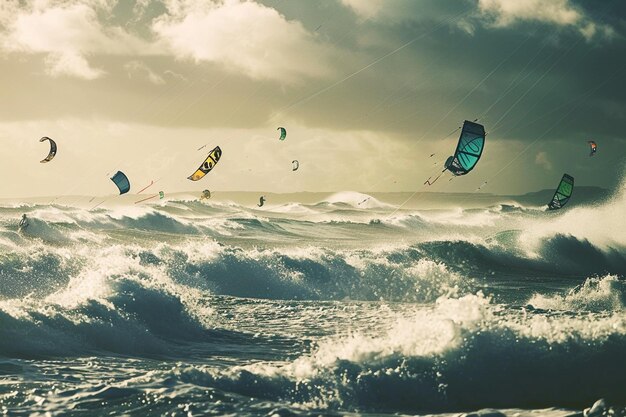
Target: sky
367 90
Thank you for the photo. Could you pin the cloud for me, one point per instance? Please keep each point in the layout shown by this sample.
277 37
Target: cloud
70 63
66 32
543 161
239 35
175 75
506 12
502 13
365 8
491 13
244 37
394 11
139 68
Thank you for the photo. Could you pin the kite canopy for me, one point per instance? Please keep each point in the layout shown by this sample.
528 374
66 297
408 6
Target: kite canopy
283 133
562 193
53 150
468 150
207 165
121 180
296 165
593 147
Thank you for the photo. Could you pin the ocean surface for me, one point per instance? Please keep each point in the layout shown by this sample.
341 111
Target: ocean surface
335 307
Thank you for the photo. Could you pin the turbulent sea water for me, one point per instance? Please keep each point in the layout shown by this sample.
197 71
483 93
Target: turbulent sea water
187 309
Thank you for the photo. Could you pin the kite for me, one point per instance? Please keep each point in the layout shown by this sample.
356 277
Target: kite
283 133
468 151
593 147
207 165
562 193
53 150
121 180
296 165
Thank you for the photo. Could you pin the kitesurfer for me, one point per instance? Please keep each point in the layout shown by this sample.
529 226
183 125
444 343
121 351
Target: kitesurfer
453 167
23 224
593 148
261 201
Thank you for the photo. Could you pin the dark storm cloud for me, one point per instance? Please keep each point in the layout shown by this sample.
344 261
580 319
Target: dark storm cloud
522 73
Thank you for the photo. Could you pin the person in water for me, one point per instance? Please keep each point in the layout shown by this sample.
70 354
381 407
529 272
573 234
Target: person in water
24 222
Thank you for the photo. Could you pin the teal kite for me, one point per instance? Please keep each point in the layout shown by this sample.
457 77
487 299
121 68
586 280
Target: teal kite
121 180
563 193
468 150
283 133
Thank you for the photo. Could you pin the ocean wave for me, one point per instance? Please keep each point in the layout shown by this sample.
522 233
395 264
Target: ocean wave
355 200
116 304
139 280
311 273
417 272
606 293
462 354
136 300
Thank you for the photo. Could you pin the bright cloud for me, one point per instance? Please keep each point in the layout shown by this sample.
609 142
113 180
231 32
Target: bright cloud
244 37
503 13
365 8
494 13
506 12
66 32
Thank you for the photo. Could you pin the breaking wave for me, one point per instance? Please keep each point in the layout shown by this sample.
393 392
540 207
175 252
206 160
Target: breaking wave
94 279
458 355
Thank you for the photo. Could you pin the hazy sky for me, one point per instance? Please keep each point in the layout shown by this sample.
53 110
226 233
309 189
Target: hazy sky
367 90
